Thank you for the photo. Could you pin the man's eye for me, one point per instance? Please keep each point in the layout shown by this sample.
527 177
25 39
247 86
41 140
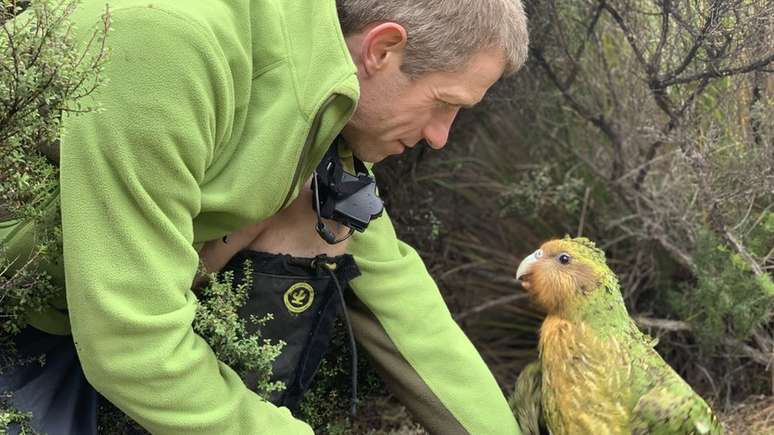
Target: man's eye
564 258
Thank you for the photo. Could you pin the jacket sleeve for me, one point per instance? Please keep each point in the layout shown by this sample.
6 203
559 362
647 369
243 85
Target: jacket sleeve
130 177
396 287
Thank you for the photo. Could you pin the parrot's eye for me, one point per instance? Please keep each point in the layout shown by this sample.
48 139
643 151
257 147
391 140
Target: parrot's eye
564 258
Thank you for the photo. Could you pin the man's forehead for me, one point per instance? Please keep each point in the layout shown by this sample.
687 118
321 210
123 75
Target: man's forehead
486 65
471 83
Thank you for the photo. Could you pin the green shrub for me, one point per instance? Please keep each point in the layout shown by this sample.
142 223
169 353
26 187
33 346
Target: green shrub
544 188
42 75
726 299
218 322
10 416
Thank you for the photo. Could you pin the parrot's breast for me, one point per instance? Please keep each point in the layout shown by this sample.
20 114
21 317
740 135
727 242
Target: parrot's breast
585 380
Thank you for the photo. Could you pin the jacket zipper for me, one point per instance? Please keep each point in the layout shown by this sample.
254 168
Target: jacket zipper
305 150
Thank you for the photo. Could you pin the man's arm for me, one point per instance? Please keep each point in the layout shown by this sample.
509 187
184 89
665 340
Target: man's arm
399 293
130 177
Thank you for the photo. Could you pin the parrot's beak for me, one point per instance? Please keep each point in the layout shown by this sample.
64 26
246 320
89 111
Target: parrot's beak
524 270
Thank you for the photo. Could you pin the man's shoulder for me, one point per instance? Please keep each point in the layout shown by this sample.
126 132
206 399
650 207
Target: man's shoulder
218 17
252 36
226 22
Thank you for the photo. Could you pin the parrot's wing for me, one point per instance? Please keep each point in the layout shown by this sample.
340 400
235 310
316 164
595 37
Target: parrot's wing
527 400
672 407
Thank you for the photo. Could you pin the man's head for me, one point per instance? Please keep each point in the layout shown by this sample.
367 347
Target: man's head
420 61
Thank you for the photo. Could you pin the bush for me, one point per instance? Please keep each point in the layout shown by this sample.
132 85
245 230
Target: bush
42 75
727 299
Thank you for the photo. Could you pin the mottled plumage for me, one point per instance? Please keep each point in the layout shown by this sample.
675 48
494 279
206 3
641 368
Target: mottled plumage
597 373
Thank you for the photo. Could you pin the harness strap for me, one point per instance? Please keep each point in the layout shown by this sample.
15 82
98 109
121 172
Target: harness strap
331 267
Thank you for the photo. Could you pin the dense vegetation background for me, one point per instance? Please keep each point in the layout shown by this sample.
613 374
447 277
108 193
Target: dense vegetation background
645 125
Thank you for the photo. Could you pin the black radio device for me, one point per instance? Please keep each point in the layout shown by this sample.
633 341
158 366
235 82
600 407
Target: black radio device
348 199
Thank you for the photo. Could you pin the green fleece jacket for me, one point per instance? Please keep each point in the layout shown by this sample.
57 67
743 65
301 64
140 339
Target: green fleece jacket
214 113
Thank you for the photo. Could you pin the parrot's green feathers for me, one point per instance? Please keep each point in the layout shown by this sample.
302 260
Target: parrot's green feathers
598 372
527 400
593 253
673 408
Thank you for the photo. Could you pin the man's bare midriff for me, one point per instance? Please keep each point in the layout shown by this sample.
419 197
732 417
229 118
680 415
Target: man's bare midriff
291 231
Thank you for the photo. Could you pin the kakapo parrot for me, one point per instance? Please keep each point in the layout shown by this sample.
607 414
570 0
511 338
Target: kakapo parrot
597 373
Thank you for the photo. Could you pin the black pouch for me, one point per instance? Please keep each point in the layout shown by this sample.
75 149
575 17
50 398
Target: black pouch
303 298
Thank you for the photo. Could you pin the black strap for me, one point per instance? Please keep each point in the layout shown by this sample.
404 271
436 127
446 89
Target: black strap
352 345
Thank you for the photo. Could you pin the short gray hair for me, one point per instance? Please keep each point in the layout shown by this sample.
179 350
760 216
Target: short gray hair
444 34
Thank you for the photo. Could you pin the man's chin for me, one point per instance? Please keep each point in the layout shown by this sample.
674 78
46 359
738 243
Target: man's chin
367 158
374 159
370 154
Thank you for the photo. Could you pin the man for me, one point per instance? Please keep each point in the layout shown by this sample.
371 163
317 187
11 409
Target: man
215 115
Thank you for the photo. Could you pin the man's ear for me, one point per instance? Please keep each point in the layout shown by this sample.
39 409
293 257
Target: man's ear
382 47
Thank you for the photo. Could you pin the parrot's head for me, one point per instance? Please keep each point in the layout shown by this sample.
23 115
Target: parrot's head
567 273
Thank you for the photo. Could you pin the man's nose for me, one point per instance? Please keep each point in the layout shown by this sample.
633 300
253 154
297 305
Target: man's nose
436 133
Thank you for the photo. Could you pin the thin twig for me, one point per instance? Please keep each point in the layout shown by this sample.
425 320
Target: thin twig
665 10
493 303
583 212
698 41
756 268
716 74
680 326
627 33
